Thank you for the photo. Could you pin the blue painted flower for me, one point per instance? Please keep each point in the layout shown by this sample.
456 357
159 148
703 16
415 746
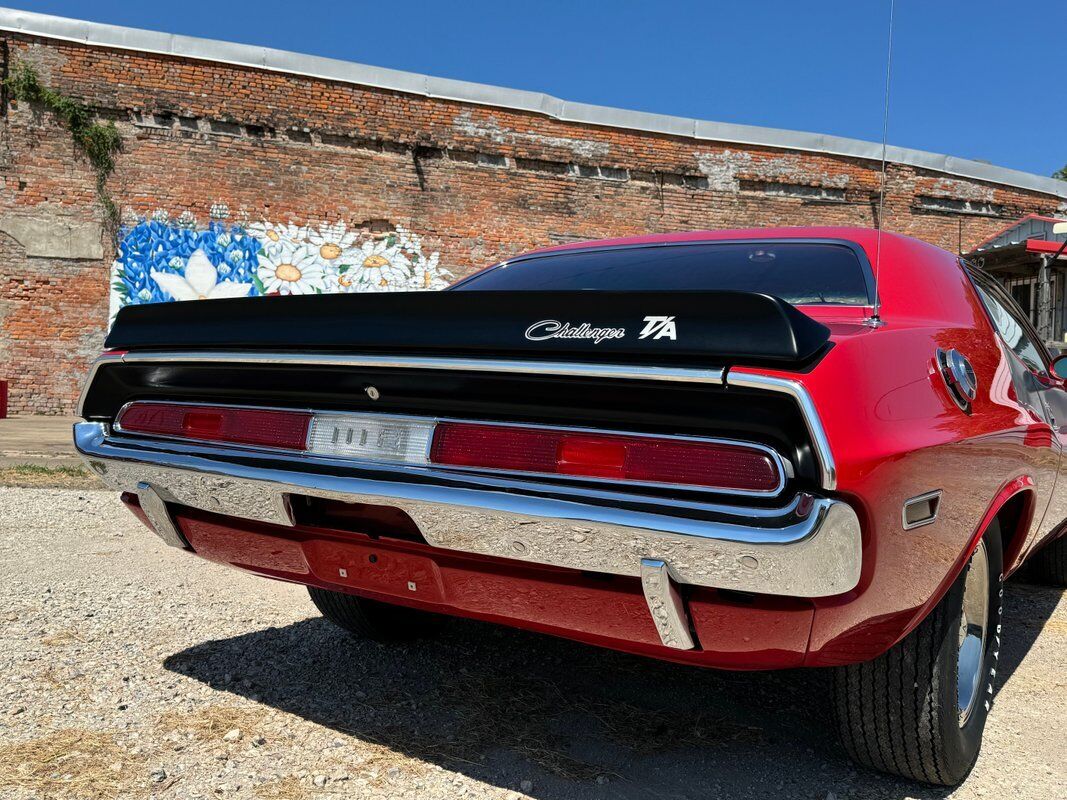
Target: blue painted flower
163 247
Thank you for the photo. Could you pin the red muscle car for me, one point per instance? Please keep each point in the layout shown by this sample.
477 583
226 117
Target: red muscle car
746 449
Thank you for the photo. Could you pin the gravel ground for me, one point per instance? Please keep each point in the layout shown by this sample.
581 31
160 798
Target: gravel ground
38 440
48 477
132 670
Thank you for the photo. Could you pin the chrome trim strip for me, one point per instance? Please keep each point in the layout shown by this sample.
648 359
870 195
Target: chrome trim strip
811 549
578 369
665 605
573 369
796 390
162 523
784 468
761 516
922 498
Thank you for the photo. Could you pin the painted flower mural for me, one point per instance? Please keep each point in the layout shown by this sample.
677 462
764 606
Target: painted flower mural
200 281
377 266
160 260
274 232
162 247
332 241
426 272
289 268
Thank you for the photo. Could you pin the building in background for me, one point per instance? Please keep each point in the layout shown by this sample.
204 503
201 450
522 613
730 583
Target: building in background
1023 257
248 171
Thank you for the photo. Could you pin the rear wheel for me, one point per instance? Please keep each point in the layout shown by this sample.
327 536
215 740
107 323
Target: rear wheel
1049 564
920 709
370 619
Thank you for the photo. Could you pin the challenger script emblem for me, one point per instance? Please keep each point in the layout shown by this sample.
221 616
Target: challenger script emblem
554 329
660 326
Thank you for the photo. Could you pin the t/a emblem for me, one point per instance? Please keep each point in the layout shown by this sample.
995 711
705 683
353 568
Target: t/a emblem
658 328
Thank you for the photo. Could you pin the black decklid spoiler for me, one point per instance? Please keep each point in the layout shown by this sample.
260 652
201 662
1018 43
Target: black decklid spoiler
709 326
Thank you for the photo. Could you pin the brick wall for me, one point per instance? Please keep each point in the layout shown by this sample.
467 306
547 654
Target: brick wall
477 183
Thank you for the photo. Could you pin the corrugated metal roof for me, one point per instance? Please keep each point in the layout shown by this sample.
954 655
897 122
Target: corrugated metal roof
1029 227
266 58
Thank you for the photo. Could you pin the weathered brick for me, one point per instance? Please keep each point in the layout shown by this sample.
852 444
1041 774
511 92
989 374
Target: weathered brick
478 183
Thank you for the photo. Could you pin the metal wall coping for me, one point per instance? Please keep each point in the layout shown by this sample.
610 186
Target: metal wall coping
114 36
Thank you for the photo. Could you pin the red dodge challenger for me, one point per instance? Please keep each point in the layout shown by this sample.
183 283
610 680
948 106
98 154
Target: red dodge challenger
748 449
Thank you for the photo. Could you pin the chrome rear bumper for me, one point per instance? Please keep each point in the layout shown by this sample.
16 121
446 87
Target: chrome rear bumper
808 548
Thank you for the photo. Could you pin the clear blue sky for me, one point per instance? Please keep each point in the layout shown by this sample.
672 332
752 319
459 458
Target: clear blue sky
972 78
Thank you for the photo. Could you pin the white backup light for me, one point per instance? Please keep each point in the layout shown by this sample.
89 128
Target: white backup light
370 438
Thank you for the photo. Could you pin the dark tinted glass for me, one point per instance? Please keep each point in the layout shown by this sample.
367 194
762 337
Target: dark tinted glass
1007 321
797 272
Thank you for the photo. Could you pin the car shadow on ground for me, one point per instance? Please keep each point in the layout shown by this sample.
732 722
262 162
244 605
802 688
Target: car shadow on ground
505 706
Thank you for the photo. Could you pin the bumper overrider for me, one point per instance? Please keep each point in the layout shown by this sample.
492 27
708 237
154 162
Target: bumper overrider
808 547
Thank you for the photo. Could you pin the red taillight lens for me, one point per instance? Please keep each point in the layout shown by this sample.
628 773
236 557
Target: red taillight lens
726 466
257 427
599 458
646 459
495 446
202 424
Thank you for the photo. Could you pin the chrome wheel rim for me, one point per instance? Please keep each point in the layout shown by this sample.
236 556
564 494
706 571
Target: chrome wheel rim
974 621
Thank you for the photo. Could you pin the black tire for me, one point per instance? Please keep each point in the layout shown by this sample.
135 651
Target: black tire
899 713
369 619
1049 564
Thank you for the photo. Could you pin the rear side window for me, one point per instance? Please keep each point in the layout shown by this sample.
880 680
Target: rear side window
797 272
1008 323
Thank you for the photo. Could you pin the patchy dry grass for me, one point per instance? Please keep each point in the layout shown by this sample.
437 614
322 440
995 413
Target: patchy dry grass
71 763
61 638
212 722
36 476
376 760
66 684
1056 627
290 788
54 677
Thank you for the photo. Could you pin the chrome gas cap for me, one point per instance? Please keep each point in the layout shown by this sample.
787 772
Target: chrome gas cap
959 376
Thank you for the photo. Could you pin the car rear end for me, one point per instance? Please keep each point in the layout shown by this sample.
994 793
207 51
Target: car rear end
546 446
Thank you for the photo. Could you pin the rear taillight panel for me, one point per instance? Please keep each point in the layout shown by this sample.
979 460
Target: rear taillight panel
242 426
546 451
633 458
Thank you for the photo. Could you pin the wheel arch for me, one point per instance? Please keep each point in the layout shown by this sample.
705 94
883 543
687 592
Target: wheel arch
1015 516
1013 507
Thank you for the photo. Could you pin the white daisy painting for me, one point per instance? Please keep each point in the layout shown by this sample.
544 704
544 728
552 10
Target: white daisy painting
276 233
426 271
285 268
333 241
162 260
378 266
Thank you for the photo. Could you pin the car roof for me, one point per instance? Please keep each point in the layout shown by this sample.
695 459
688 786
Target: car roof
912 274
865 237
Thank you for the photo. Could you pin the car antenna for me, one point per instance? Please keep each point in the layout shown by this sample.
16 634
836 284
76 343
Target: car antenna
875 320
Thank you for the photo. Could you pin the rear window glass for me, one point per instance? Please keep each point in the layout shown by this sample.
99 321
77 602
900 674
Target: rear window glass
797 272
